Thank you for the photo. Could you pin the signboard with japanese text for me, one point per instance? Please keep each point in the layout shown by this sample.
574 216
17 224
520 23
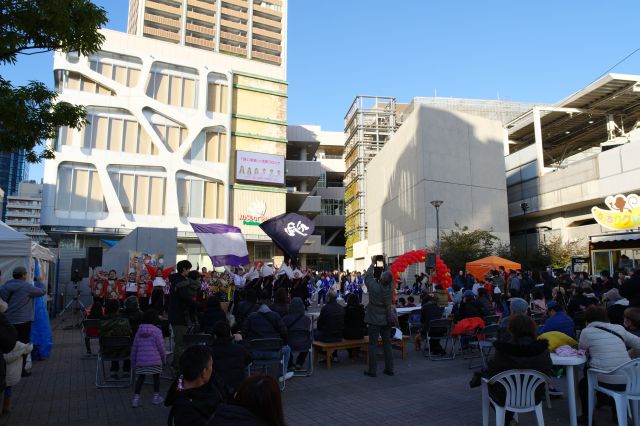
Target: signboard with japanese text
258 167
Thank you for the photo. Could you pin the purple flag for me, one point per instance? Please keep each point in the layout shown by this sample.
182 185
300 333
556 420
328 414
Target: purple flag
224 244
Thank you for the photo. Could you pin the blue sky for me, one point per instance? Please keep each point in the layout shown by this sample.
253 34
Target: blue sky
537 51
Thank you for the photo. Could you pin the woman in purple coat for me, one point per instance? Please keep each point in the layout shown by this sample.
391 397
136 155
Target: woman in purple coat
148 356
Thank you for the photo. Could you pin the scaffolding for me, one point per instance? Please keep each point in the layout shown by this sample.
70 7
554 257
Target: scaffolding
368 125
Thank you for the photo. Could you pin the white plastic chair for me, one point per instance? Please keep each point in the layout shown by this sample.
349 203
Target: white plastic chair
631 372
520 388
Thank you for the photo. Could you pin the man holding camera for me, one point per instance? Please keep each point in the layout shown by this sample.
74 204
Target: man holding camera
380 288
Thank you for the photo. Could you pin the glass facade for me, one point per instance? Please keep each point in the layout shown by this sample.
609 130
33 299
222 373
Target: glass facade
13 170
332 207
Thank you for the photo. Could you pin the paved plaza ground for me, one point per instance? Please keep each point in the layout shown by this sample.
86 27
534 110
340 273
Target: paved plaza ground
61 391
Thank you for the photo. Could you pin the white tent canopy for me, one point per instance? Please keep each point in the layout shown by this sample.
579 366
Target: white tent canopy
17 249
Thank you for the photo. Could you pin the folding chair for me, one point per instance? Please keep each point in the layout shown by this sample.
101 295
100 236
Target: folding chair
305 339
269 345
415 320
108 344
198 339
86 325
439 329
484 340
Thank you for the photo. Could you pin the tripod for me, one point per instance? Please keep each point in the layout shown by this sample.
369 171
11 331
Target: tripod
77 308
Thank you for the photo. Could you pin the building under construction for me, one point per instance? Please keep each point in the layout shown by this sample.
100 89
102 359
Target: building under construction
368 125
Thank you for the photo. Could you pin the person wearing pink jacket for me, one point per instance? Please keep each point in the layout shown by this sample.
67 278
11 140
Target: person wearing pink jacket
148 356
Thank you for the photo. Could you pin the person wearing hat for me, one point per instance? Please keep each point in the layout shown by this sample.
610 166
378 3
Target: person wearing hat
558 320
616 305
19 295
470 307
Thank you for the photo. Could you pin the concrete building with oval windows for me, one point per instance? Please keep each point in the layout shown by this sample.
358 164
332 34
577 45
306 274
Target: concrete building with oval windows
186 122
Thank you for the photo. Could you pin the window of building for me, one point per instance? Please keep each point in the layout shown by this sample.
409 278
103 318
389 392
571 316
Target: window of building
209 146
199 197
113 130
120 68
331 207
322 182
217 93
79 189
140 191
77 81
174 86
262 251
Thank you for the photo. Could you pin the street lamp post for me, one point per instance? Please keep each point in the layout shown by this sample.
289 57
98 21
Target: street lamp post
437 204
525 206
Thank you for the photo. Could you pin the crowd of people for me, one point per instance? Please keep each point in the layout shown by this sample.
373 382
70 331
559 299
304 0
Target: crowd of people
539 313
536 313
234 307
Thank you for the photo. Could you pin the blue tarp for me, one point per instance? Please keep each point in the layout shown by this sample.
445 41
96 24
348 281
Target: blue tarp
41 329
110 243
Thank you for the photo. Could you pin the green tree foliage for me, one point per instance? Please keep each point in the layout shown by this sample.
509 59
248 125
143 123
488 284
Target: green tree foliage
461 245
30 114
556 253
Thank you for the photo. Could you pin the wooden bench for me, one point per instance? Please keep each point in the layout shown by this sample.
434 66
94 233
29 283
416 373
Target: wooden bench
398 344
330 347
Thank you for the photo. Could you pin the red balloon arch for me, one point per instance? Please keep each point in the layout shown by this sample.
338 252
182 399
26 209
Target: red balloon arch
442 272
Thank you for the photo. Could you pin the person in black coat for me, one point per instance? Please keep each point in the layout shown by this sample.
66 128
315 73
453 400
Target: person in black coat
212 314
133 313
331 320
354 326
430 311
470 307
245 308
194 399
281 302
230 359
298 326
523 352
258 402
631 289
180 303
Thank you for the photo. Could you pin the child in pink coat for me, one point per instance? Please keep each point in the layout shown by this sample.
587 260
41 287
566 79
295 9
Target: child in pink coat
148 355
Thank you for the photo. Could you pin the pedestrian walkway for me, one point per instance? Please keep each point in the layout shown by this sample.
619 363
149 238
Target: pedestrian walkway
61 391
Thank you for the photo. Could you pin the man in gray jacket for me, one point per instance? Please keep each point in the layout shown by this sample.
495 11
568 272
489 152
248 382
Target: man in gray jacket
380 297
19 294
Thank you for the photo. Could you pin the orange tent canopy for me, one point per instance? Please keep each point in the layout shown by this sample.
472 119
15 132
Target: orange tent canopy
481 266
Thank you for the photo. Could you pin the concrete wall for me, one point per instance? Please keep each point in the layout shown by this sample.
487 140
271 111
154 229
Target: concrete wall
562 198
436 155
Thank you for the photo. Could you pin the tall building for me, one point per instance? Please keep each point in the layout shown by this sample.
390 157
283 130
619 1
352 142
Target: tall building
13 170
23 211
318 153
252 29
178 132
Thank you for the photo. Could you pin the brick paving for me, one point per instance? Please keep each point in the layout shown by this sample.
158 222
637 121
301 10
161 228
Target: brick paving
62 391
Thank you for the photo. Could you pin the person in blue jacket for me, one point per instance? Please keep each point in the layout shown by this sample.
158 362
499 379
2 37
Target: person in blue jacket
558 321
